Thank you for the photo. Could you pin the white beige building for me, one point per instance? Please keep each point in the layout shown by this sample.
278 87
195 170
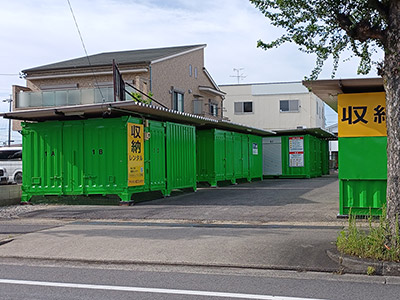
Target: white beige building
285 105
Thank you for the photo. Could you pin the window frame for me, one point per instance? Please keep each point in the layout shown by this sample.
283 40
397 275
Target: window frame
289 106
242 111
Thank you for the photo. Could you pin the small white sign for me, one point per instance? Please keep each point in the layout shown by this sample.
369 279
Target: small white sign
255 149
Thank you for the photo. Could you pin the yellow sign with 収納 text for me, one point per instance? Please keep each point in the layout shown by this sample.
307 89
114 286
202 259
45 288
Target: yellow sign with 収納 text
362 114
135 154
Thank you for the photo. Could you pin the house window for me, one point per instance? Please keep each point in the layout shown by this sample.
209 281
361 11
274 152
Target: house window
213 109
289 105
195 72
177 102
190 70
243 107
197 106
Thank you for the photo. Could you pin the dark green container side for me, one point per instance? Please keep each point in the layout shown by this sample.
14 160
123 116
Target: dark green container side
217 156
324 157
181 156
362 174
88 157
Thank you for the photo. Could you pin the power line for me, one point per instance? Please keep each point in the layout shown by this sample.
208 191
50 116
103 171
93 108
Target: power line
84 48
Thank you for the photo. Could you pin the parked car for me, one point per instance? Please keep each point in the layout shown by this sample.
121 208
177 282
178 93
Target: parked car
11 163
3 176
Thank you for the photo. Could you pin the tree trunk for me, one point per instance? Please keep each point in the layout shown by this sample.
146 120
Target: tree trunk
391 77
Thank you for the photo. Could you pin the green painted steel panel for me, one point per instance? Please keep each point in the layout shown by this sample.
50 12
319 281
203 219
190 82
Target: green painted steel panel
325 157
255 157
229 156
362 158
362 197
295 172
238 166
220 155
181 156
72 157
156 155
42 152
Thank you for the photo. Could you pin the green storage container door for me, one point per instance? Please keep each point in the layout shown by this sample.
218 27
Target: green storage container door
302 169
72 145
229 155
42 152
156 156
181 156
324 157
238 156
255 157
220 155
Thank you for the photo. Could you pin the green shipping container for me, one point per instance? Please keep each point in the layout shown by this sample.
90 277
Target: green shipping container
295 156
362 175
224 155
181 156
91 157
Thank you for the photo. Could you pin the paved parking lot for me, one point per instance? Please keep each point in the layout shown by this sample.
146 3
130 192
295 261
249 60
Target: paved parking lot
271 200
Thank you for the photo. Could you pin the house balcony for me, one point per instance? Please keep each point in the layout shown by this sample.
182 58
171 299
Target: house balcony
68 97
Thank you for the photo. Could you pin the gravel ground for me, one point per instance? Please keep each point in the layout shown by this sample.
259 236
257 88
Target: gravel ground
13 211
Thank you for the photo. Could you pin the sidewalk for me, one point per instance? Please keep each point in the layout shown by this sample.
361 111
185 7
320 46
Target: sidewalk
281 224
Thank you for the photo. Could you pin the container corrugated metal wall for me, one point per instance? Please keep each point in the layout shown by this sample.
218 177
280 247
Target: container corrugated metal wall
181 156
362 174
224 155
88 157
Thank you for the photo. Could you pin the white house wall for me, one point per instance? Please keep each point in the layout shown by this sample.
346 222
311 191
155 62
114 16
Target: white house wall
266 106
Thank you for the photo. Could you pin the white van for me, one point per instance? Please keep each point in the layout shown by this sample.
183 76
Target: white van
11 163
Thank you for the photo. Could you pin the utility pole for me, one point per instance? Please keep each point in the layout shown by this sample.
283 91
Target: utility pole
9 121
239 76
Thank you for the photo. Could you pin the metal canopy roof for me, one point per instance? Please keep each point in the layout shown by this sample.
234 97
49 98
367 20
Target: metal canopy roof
123 108
327 90
317 132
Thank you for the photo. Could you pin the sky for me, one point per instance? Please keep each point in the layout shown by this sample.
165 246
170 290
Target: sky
39 32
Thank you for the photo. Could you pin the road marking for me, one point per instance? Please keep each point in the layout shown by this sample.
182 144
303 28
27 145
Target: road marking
148 290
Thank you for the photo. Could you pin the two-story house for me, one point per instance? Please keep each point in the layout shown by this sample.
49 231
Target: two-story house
273 106
175 76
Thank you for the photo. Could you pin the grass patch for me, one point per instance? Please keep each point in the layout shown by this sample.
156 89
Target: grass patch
373 241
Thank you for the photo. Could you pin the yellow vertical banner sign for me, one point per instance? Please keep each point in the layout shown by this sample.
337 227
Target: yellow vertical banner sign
135 155
362 114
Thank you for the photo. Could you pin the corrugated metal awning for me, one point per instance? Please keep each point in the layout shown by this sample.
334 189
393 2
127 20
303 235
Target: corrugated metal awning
123 108
317 132
328 89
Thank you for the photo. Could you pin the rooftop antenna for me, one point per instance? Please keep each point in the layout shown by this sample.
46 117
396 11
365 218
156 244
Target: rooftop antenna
239 74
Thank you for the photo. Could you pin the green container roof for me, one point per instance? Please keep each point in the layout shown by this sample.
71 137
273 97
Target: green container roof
317 132
123 108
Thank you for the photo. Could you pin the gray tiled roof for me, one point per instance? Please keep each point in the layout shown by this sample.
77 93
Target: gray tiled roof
121 57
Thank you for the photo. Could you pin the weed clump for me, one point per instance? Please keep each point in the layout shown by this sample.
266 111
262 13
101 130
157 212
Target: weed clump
375 241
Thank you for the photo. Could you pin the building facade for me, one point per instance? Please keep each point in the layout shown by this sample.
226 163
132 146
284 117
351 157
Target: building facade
175 76
270 106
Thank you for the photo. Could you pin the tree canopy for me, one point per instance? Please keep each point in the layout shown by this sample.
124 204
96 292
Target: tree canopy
327 28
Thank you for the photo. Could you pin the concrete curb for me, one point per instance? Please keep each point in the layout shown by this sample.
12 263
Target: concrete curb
170 264
356 265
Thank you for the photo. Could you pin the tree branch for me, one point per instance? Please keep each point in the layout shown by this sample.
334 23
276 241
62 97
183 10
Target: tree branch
382 8
361 31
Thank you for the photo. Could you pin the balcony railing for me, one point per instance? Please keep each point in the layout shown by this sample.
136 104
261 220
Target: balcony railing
65 97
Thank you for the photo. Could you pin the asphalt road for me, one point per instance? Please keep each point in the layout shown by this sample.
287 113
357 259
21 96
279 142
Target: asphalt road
108 282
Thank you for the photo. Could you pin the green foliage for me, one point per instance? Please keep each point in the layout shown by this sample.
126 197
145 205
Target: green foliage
139 97
375 241
370 270
329 27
